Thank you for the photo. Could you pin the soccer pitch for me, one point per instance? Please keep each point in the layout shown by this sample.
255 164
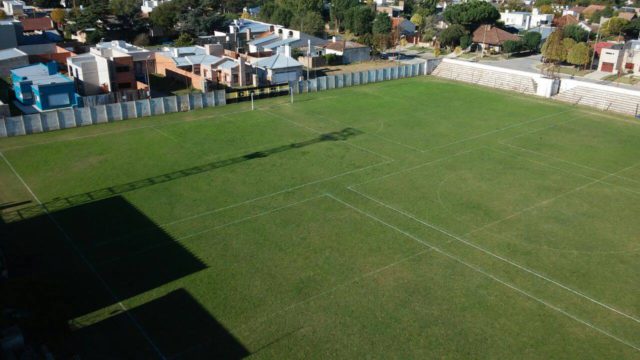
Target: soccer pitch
417 218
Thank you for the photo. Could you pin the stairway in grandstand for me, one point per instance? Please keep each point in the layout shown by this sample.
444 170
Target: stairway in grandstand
601 99
481 76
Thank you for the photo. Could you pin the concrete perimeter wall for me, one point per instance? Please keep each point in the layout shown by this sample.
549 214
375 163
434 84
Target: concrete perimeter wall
545 87
100 114
568 84
359 78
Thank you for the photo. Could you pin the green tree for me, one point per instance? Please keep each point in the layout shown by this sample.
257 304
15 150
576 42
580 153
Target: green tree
579 55
382 24
614 26
553 50
465 41
310 22
58 15
472 14
165 15
575 32
426 7
184 39
360 19
301 6
567 44
418 20
339 9
512 46
141 40
632 29
531 41
451 36
125 8
282 16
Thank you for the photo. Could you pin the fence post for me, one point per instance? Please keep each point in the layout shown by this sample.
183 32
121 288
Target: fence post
3 128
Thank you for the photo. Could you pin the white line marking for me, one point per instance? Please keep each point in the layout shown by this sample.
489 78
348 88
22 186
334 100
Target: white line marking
479 270
541 203
290 189
335 288
417 166
501 258
87 262
207 230
499 130
572 163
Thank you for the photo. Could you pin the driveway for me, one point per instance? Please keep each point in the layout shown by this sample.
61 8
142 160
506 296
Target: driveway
527 63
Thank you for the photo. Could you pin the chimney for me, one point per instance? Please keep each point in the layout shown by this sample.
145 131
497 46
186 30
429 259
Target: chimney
175 52
287 50
214 49
249 34
242 72
334 39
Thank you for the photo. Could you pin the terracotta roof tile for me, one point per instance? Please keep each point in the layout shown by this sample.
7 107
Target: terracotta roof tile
491 35
37 24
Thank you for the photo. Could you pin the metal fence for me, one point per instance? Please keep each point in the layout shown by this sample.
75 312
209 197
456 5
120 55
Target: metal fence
100 114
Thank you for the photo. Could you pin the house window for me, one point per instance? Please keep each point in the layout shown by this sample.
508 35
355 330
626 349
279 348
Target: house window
59 99
124 86
628 66
121 69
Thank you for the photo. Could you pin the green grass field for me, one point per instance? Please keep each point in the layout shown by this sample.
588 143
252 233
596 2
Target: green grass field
416 218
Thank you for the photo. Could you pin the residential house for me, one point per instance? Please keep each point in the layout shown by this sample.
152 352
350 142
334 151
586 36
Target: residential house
544 31
111 66
202 67
42 87
11 59
491 38
620 58
12 34
350 51
36 25
575 11
403 27
282 37
627 15
523 20
43 53
10 30
565 20
277 69
13 7
392 8
591 9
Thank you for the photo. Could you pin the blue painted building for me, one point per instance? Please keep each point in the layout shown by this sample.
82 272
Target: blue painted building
42 86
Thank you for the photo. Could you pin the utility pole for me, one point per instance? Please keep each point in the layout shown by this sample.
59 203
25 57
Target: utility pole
593 56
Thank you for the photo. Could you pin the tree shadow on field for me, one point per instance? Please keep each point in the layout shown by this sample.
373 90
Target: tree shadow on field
111 191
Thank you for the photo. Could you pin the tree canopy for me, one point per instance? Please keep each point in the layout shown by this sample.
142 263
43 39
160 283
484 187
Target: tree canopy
382 24
553 49
579 55
451 36
575 32
472 14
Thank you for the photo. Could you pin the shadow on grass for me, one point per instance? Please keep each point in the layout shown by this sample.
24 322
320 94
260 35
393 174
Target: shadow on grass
176 323
54 278
92 196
